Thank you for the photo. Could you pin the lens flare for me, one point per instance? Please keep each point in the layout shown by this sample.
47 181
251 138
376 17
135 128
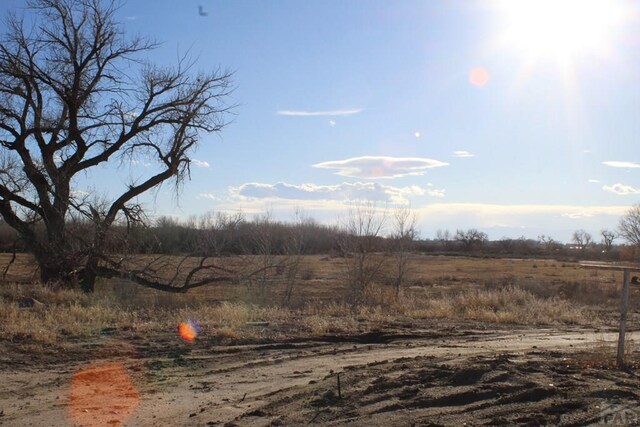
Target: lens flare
188 330
479 76
102 395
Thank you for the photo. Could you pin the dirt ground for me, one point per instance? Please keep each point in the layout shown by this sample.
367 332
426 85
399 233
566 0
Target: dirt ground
404 372
442 374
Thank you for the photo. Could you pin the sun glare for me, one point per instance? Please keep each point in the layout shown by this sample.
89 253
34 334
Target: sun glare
559 29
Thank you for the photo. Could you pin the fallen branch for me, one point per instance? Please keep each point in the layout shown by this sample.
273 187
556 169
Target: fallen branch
109 273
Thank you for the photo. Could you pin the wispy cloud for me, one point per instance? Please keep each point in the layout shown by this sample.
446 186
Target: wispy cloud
576 215
319 113
463 153
332 122
594 181
621 164
372 167
497 209
621 189
435 193
209 196
345 192
200 163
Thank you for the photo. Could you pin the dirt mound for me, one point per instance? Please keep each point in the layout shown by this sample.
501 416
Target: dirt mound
484 390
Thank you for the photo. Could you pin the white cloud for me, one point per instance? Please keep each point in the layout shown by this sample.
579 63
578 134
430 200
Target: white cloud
345 192
621 164
332 122
463 153
371 167
495 210
200 163
594 181
576 215
435 193
209 196
319 113
621 189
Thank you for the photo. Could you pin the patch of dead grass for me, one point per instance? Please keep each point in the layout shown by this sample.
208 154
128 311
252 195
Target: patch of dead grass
505 305
495 291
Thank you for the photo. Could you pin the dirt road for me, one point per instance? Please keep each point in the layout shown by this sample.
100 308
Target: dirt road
527 377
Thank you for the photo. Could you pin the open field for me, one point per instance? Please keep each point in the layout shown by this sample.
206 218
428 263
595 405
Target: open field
475 341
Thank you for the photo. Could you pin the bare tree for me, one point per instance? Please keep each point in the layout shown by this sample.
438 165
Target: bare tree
444 237
471 238
74 96
582 239
264 260
362 238
608 237
629 226
294 248
549 244
402 239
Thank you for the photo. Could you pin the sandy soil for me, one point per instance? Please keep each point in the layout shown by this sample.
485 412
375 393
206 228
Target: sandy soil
447 376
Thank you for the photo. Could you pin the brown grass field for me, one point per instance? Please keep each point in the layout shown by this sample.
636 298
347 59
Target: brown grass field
469 340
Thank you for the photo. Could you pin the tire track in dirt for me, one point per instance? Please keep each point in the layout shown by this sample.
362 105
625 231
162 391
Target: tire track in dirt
227 393
260 384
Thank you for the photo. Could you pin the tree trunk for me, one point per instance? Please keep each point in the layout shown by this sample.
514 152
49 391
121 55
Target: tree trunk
55 269
89 274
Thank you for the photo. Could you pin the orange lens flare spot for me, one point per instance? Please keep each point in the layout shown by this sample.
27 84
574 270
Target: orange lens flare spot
377 172
479 76
102 395
188 331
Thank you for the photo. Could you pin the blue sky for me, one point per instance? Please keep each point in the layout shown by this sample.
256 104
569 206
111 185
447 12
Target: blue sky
454 107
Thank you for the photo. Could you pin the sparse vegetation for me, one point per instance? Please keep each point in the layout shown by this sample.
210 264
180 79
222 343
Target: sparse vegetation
494 291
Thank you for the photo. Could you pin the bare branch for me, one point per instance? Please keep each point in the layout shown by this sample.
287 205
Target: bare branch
75 93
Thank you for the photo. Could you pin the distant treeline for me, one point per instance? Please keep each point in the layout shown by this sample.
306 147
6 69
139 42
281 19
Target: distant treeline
236 235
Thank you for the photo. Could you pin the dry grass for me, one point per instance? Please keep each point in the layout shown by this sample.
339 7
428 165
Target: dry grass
55 314
65 314
506 305
531 292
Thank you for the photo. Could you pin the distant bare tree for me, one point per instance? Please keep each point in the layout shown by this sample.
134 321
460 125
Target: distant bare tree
264 260
582 239
549 244
216 233
471 238
76 95
402 239
608 237
362 237
294 248
444 237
